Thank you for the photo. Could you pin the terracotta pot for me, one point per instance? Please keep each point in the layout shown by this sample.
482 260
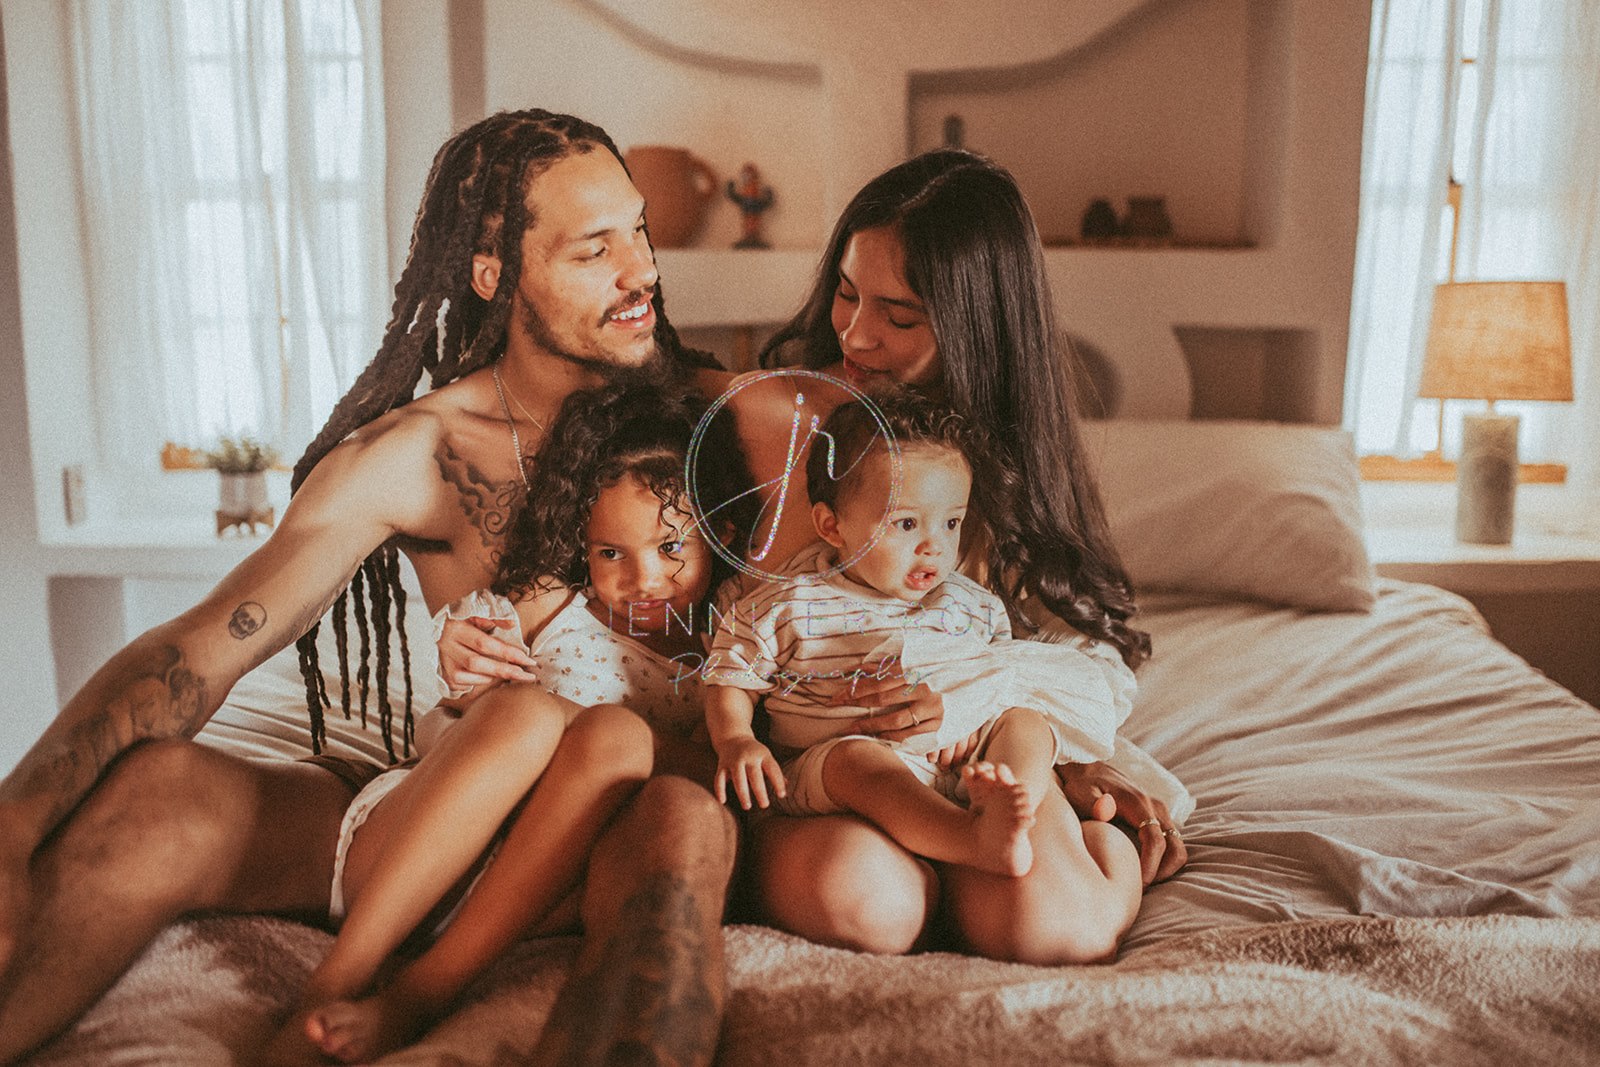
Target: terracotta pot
677 187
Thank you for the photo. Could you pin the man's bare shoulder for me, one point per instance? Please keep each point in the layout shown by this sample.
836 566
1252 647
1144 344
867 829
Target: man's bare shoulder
396 466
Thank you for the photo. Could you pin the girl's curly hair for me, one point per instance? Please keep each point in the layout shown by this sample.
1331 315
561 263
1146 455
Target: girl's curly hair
602 435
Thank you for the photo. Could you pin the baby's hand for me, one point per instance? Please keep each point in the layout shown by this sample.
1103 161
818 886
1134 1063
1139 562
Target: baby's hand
749 766
471 655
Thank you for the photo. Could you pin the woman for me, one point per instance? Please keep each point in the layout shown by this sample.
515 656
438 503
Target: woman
934 279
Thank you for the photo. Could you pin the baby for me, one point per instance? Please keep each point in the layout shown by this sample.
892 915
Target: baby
879 594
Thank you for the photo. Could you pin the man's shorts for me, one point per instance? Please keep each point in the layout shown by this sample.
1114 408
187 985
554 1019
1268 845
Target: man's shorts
351 770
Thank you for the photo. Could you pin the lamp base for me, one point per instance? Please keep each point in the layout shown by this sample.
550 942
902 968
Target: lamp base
1486 479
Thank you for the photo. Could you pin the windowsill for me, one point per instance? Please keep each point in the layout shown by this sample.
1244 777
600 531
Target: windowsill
1432 468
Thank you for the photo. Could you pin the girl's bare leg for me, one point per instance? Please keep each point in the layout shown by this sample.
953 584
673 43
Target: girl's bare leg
870 779
422 838
428 833
601 761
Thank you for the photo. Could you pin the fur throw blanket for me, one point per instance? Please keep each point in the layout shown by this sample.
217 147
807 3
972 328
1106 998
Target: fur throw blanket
1484 990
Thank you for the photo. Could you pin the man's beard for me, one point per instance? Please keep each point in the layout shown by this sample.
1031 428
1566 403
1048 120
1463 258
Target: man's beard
654 368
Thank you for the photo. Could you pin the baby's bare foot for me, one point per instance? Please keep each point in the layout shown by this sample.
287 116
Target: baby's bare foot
1001 819
357 1031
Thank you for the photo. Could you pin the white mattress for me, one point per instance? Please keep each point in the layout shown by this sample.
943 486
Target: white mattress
1395 764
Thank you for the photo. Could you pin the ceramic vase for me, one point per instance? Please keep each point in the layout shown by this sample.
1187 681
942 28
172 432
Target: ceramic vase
677 188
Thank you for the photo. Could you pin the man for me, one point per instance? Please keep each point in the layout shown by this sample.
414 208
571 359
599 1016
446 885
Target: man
530 276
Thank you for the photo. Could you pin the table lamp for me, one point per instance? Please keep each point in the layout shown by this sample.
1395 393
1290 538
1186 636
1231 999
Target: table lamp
1495 341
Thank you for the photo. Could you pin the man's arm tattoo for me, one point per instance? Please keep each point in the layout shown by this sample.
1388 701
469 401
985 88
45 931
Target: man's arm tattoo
650 999
246 619
153 695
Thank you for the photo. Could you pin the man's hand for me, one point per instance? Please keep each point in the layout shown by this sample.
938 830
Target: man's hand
1097 791
471 654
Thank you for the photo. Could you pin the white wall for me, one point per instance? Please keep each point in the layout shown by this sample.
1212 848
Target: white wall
568 55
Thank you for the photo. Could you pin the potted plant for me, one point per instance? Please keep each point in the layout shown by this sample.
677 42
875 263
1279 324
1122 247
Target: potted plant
242 465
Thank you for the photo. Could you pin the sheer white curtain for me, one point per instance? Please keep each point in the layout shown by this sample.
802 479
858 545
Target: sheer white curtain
232 155
1405 167
1526 148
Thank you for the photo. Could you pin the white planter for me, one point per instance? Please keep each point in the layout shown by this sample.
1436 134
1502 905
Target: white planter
242 494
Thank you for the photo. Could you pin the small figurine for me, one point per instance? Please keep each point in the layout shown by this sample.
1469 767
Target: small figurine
753 198
955 131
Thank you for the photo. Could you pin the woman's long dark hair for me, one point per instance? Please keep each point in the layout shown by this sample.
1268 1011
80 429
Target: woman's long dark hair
603 435
477 192
973 256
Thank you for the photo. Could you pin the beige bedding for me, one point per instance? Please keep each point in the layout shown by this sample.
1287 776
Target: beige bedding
1394 858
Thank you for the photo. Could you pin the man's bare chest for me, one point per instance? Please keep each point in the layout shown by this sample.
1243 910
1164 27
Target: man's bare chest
460 547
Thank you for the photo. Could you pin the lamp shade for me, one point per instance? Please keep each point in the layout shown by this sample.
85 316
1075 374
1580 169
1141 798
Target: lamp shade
1498 341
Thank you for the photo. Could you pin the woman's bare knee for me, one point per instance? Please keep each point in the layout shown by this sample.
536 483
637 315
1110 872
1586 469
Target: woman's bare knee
839 881
1073 907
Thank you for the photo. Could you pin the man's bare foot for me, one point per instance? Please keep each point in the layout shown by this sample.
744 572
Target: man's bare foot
356 1031
1001 819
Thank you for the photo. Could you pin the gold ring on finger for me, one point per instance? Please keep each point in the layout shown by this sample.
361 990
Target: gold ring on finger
1170 832
1149 822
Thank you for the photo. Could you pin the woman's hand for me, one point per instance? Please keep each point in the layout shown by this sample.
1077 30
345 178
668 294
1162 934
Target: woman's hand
912 709
951 755
470 655
1098 791
749 766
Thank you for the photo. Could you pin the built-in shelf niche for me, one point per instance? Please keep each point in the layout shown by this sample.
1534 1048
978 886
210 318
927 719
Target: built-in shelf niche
1180 100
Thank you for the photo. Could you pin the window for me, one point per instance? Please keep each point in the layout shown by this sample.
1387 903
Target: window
232 160
1499 98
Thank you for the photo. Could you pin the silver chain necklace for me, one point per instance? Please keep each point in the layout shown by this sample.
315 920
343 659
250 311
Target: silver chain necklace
516 438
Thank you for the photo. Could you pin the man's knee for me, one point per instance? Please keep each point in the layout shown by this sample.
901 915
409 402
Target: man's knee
672 820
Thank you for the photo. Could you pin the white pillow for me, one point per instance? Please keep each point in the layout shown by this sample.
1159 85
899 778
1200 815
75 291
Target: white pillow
1246 510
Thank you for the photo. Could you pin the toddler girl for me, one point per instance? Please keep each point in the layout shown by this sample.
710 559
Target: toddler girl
605 581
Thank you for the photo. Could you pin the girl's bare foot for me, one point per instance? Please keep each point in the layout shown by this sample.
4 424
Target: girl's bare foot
1001 819
357 1031
291 1046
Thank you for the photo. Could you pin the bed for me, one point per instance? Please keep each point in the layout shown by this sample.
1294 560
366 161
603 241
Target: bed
1395 857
